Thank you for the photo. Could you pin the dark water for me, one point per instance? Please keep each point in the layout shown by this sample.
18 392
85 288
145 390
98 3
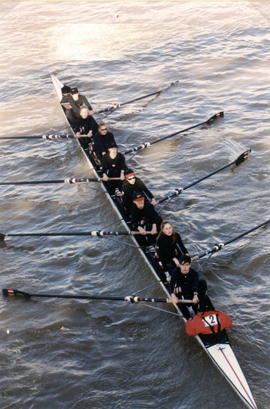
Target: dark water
76 354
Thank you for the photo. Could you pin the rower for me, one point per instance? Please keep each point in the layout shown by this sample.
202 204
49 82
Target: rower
170 248
67 103
114 166
209 321
102 140
78 101
146 221
85 125
134 185
185 284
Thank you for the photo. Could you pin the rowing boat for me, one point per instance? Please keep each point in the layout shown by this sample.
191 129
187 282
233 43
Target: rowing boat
216 346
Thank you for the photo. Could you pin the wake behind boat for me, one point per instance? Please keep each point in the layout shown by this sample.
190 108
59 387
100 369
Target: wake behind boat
217 346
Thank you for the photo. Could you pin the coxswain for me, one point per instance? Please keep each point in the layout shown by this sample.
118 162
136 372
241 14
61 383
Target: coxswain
210 321
134 185
114 166
102 139
145 221
67 103
85 125
170 248
185 284
78 101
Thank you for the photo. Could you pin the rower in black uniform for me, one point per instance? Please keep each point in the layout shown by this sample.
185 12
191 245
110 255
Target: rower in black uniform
186 284
114 166
78 101
146 221
85 125
134 185
102 140
66 103
170 248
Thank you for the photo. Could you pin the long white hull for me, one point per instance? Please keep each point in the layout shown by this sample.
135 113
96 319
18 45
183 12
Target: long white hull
218 350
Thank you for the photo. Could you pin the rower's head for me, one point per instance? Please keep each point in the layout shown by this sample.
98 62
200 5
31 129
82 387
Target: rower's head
167 228
84 112
130 177
102 128
75 93
138 200
185 264
113 151
65 90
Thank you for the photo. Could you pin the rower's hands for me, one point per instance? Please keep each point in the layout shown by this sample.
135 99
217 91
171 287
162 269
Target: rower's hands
122 176
77 135
90 133
195 299
173 299
142 231
154 202
105 177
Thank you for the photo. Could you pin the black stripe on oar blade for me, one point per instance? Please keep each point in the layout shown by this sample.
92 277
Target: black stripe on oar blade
215 117
243 157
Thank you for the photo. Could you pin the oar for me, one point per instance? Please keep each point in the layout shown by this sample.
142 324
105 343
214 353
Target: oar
132 299
241 158
220 246
116 106
68 180
147 144
49 137
98 233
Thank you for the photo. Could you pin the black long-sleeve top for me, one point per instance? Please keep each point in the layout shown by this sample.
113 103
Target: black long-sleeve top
168 248
186 284
84 125
142 217
137 188
102 142
113 167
